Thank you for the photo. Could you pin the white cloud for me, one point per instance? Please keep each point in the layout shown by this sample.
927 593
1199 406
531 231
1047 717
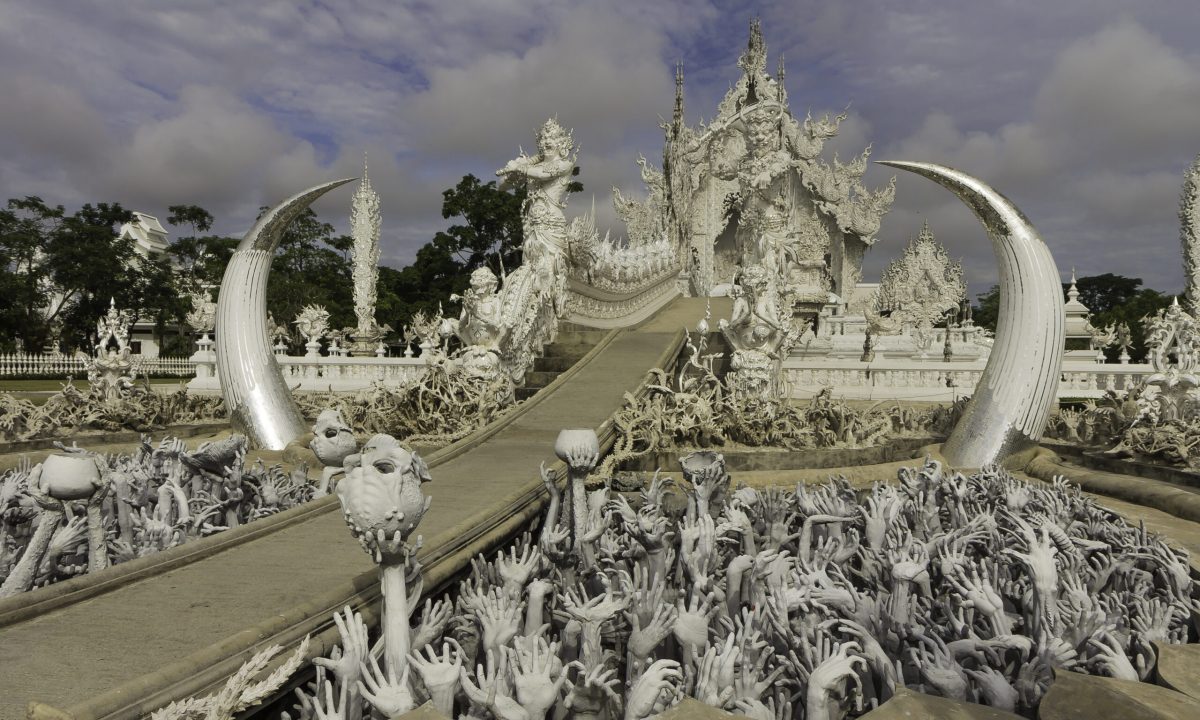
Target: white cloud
1082 112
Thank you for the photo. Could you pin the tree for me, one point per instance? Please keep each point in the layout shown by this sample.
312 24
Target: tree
1112 300
25 228
987 311
90 264
311 267
490 234
201 259
1102 293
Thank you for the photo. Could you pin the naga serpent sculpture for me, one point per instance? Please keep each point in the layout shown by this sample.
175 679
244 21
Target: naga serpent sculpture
1011 403
257 399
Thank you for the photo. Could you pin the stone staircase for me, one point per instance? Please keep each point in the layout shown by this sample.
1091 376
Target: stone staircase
573 342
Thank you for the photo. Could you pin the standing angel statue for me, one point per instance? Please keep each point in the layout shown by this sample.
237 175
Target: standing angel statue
546 177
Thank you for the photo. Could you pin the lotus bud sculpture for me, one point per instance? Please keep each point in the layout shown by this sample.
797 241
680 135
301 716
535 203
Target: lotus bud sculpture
383 503
59 479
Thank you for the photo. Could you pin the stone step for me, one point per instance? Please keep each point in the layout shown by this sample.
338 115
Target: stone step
572 350
554 364
579 337
540 378
524 393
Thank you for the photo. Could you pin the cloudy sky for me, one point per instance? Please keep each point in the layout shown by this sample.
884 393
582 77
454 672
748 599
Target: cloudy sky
1084 112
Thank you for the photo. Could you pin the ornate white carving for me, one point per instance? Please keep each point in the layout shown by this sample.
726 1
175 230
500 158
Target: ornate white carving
203 316
1189 235
313 324
365 223
111 371
534 295
810 222
1173 391
758 335
917 291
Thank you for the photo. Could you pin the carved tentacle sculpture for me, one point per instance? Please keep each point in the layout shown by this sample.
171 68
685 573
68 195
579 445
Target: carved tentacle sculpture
1012 401
259 402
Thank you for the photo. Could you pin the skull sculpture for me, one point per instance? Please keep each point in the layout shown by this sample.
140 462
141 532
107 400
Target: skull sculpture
381 497
334 440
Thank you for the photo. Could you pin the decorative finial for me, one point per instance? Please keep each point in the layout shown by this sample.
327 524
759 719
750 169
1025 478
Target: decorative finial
364 164
678 116
1073 292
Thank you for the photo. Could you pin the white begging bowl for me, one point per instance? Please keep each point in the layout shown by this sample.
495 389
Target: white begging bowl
70 477
693 463
568 440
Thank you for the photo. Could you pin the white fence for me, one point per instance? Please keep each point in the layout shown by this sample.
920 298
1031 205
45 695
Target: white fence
60 366
935 381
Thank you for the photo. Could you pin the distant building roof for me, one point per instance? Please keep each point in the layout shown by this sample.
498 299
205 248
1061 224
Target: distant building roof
149 237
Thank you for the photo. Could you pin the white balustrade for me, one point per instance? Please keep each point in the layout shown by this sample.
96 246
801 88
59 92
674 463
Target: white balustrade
61 365
322 373
935 381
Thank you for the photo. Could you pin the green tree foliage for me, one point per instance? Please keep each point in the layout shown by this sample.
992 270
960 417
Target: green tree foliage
62 270
987 311
489 233
200 259
1112 299
312 267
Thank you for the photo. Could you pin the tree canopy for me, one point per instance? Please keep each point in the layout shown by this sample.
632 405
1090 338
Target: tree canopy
489 232
1112 299
59 269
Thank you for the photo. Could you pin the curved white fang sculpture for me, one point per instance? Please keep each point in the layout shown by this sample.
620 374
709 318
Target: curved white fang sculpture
1012 401
256 397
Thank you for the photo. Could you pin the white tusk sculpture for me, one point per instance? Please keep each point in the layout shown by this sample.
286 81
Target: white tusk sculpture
256 397
1012 401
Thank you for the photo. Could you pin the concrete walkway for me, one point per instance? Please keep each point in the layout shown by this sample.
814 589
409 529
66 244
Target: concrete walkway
67 656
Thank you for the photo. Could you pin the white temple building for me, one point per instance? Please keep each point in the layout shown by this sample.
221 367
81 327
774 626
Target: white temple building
147 233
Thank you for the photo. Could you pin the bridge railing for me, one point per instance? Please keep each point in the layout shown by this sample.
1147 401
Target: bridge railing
613 305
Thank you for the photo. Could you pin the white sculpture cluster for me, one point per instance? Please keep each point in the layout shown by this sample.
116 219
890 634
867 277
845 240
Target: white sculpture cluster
313 323
1172 393
647 255
758 336
772 604
80 511
202 318
503 328
1189 234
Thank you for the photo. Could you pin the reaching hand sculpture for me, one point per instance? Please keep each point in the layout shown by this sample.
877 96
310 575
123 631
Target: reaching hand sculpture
382 501
129 505
760 600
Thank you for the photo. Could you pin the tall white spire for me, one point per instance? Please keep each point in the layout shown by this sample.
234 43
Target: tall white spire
365 223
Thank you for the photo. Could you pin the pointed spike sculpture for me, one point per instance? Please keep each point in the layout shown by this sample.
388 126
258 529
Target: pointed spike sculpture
1011 404
257 399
